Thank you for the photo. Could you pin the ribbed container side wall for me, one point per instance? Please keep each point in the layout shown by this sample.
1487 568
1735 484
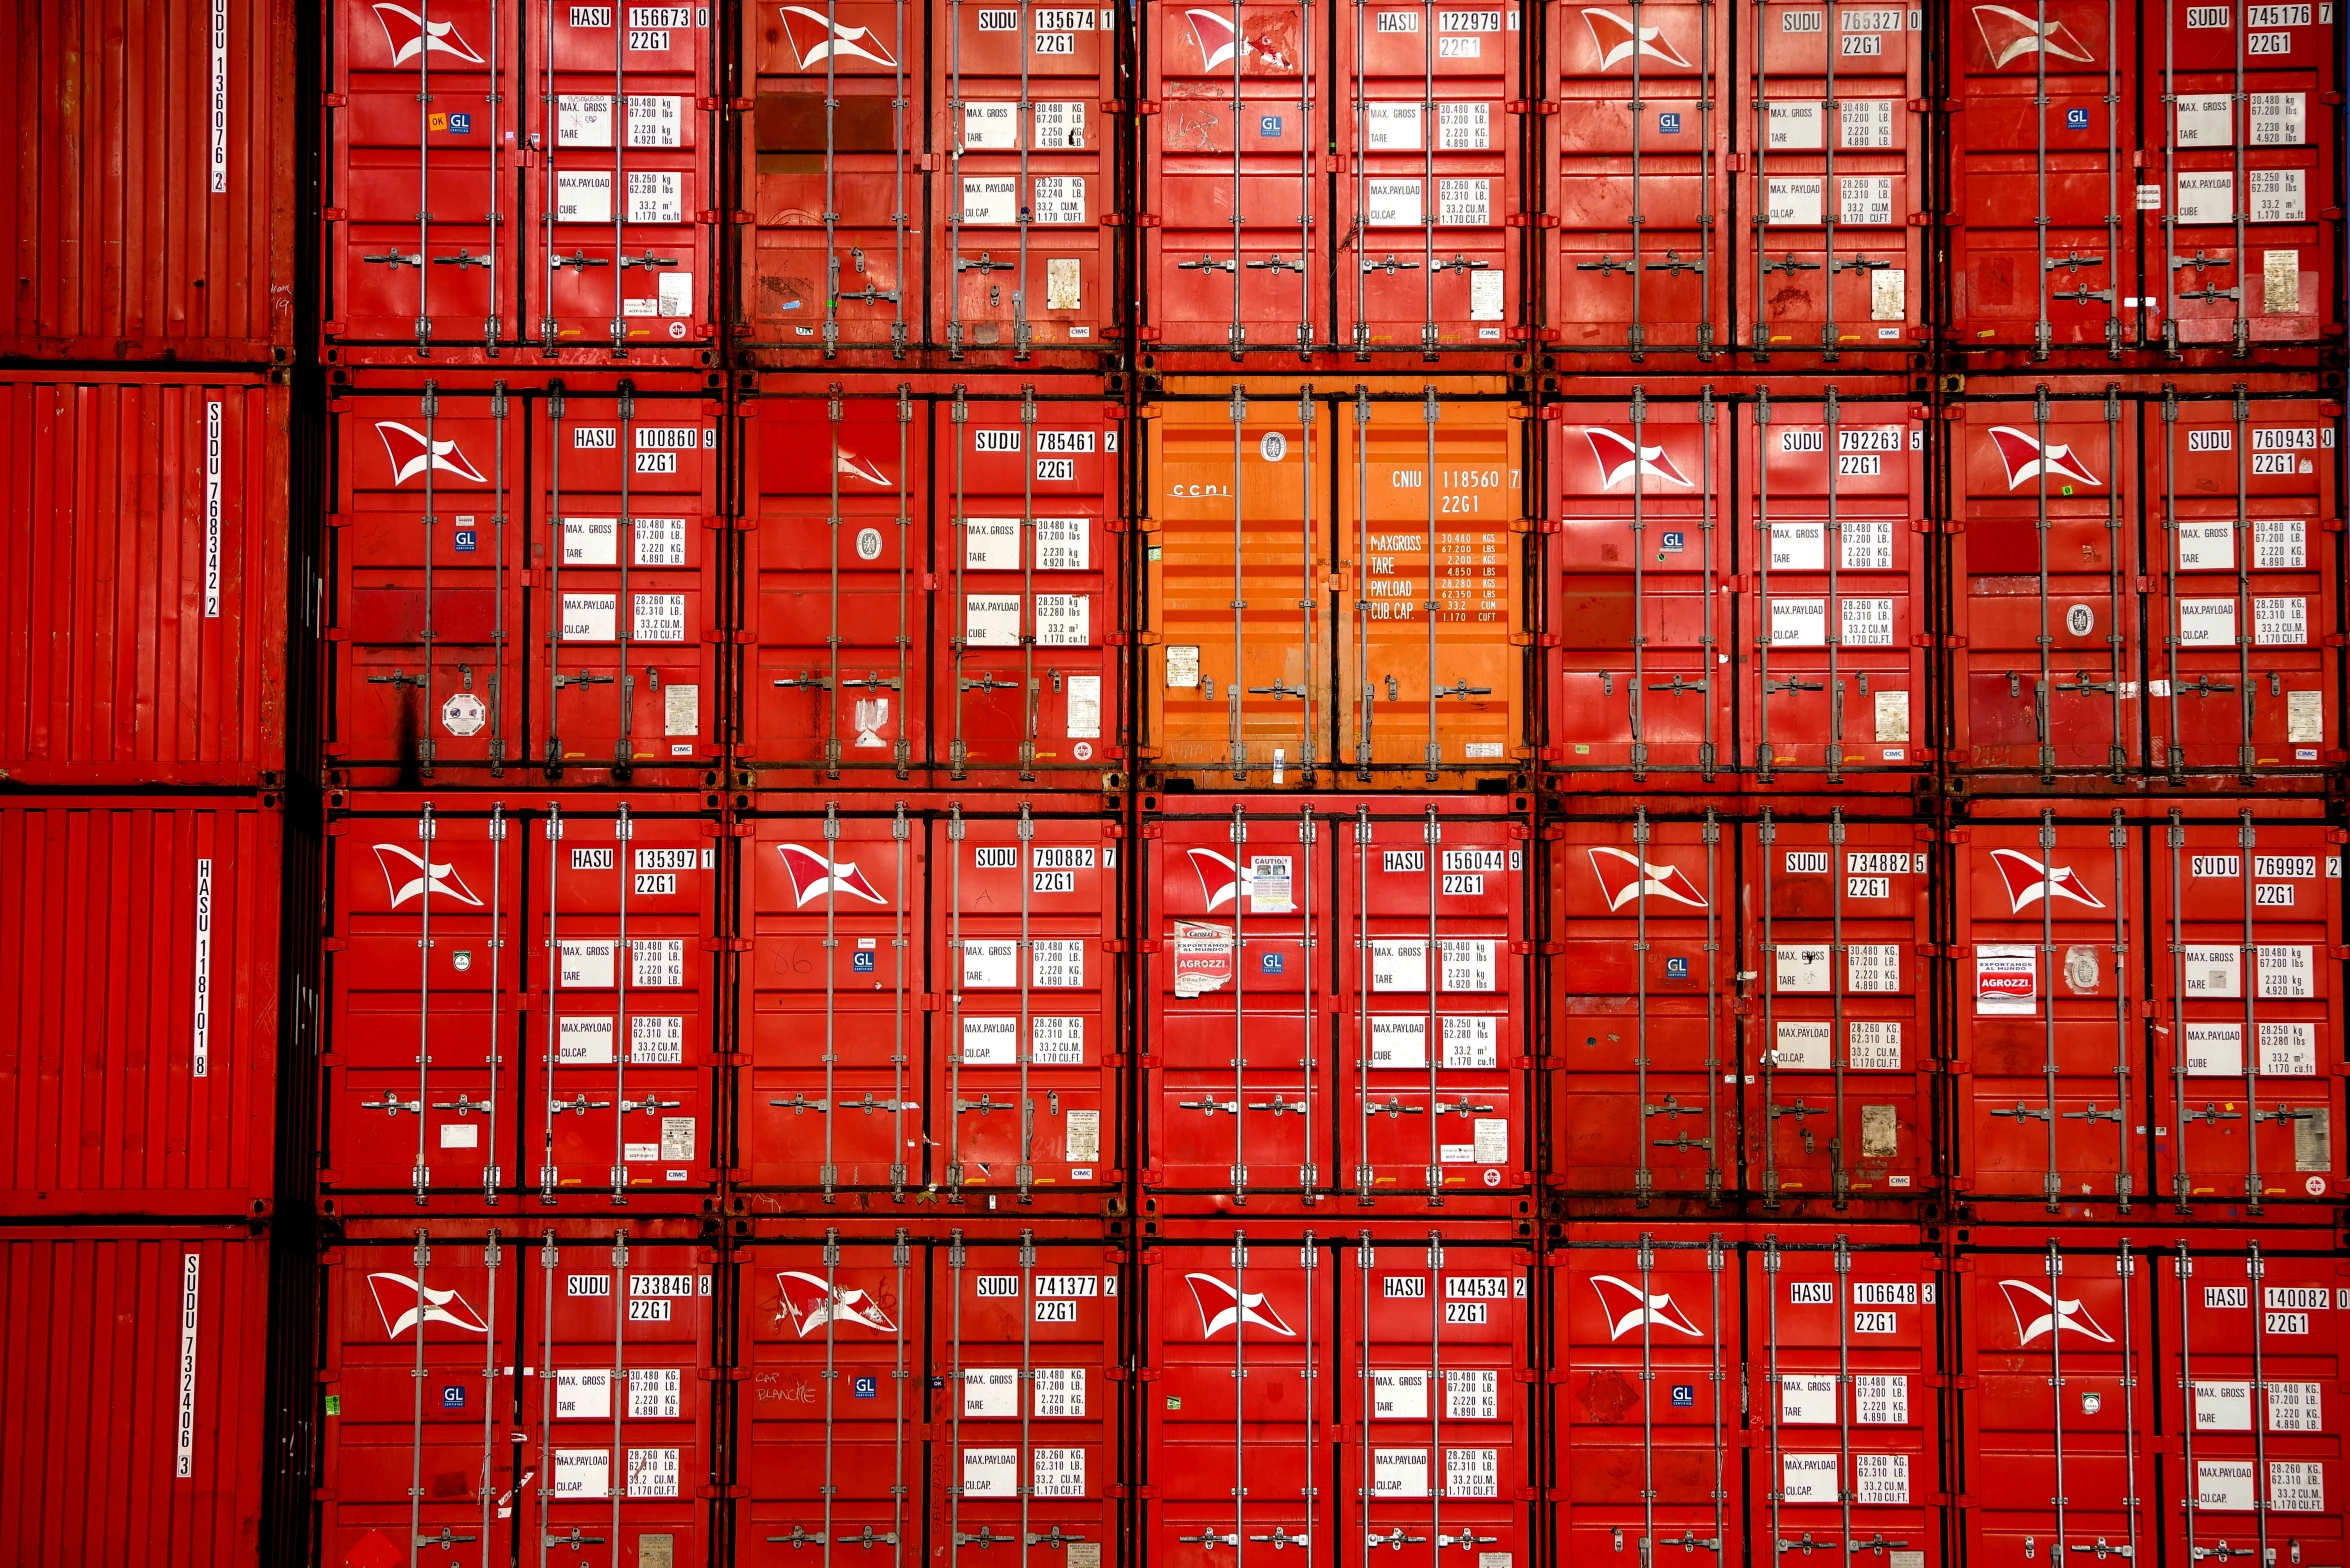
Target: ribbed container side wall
511 180
522 996
1321 1390
1775 206
132 1403
1737 593
142 947
146 585
932 175
1334 591
2145 584
2127 178
931 1000
1348 180
154 210
2189 1366
935 591
1689 937
968 1392
1790 1387
1336 1001
524 576
613 1421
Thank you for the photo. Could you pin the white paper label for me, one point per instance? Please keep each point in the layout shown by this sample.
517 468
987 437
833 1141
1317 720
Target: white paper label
2206 120
1801 969
1798 546
1464 127
1803 1045
2288 973
1398 964
2296 1487
2280 622
1063 620
2211 972
1399 1472
991 1472
1881 1479
1794 127
1867 123
582 1474
1872 966
582 1041
1085 707
1799 623
2207 623
1867 623
582 1395
990 199
1808 1478
2007 981
590 617
1875 1045
1807 1401
1472 1472
1060 1392
1392 204
1474 1394
659 617
991 620
2223 1407
2223 1485
654 1393
1794 202
586 966
655 120
1881 1399
217 118
2207 196
1399 1396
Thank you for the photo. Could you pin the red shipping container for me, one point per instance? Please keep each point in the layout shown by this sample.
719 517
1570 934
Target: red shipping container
2043 192
133 1397
2246 609
486 615
522 995
2248 982
942 601
1814 588
2045 602
990 228
485 196
1249 232
612 1419
931 999
2251 188
962 1388
145 591
2047 1066
154 208
1337 1000
142 944
1403 1357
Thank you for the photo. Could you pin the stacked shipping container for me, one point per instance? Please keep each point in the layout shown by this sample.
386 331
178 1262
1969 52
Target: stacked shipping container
1007 833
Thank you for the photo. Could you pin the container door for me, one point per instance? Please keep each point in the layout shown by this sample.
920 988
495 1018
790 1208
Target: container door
626 544
1431 664
1240 1000
1431 189
1028 1340
621 978
2050 1091
1637 683
2061 1387
422 1083
1431 991
832 1009
1840 612
624 1336
1635 264
1838 178
1032 611
421 221
428 544
1641 1018
621 194
1847 1457
1029 206
833 253
1032 1009
1646 1413
2255 1401
417 1441
832 1407
1240 258
2248 238
2050 659
1842 1105
2045 225
2249 683
1239 582
2249 985
834 568
1436 1450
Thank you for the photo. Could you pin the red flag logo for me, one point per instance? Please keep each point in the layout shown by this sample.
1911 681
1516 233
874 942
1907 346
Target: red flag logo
403 1304
2050 1314
1624 877
412 37
1232 1306
816 38
2009 34
1628 1306
2026 458
1616 40
812 876
2028 881
1219 878
437 877
412 454
1617 460
808 1303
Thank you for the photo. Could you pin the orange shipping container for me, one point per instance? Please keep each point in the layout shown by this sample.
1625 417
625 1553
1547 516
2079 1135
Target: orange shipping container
1335 589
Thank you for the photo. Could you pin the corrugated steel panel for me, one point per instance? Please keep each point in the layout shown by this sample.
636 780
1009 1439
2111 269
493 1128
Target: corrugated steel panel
964 1389
1340 1391
1337 1001
930 1000
131 1406
1335 587
142 953
539 589
153 215
522 996
941 603
144 583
